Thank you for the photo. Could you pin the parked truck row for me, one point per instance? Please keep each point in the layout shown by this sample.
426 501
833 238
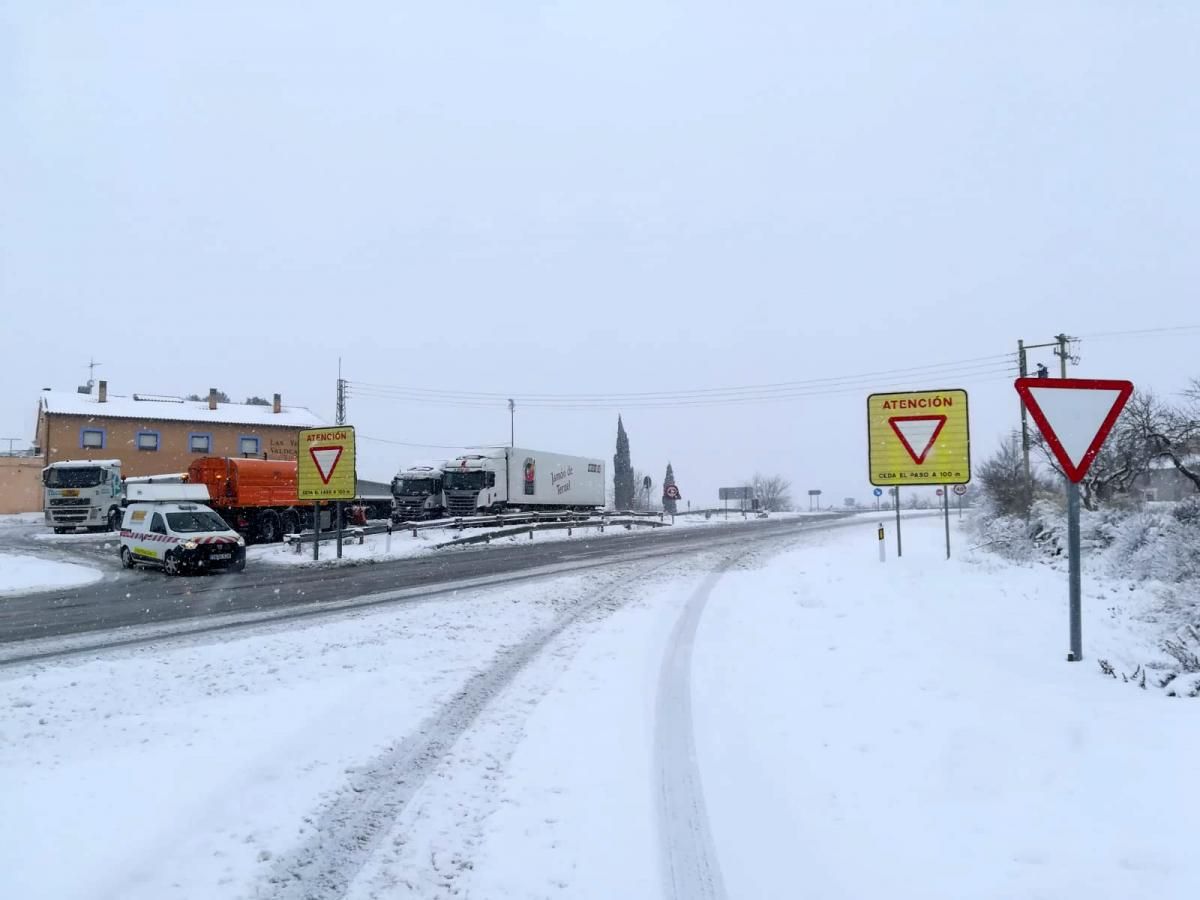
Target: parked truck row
258 498
499 480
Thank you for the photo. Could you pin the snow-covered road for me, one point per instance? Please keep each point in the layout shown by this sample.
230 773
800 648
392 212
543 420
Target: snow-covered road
788 719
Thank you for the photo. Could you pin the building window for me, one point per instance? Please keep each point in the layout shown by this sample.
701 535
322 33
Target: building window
200 443
92 438
248 446
147 440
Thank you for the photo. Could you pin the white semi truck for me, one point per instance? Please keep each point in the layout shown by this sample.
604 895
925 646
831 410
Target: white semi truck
512 478
417 494
83 493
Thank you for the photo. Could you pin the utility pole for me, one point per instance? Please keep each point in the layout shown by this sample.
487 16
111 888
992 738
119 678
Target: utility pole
340 415
11 441
1060 345
1024 361
91 382
512 422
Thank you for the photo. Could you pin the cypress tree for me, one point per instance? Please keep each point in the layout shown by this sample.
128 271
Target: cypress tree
622 470
669 504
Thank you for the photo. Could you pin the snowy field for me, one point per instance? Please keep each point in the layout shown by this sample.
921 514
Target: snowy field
791 719
20 573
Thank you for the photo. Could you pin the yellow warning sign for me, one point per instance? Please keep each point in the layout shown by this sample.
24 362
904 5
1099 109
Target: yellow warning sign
325 465
922 437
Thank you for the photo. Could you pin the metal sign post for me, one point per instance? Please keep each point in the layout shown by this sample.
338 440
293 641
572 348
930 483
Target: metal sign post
946 509
899 548
337 513
1074 580
317 530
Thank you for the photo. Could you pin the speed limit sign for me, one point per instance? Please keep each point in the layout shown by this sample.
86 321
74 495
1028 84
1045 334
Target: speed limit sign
960 489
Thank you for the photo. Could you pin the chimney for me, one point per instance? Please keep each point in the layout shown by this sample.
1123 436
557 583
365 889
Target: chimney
103 395
277 406
212 398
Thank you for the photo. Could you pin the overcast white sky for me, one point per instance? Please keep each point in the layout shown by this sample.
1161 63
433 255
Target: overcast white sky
595 198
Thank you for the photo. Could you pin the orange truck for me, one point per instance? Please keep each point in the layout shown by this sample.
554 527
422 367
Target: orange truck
257 497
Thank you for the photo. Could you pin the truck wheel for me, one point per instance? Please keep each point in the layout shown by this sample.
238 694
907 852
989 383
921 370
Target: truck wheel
126 558
171 563
114 520
269 528
290 521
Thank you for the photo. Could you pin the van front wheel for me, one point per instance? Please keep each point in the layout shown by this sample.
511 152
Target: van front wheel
171 563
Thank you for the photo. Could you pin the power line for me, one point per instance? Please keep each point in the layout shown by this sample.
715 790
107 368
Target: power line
1142 332
966 365
434 446
984 375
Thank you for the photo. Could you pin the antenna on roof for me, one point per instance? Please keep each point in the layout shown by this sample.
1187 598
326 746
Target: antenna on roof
91 382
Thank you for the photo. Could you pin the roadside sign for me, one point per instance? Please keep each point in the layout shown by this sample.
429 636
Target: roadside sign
960 489
671 492
325 465
814 493
919 437
1074 415
940 492
735 493
878 492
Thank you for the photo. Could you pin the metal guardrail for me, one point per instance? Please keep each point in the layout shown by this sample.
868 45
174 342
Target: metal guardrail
519 518
601 524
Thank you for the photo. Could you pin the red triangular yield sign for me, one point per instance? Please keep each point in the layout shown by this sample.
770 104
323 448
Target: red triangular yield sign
917 434
326 460
1074 415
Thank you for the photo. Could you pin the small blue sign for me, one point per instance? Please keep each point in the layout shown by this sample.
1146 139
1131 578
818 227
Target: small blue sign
878 492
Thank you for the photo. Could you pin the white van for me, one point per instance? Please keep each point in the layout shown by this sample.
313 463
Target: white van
179 536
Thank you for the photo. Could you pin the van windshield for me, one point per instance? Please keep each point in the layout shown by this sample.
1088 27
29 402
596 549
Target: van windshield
417 486
189 522
73 477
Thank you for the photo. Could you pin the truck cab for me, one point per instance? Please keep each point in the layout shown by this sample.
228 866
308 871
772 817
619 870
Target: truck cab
83 493
417 494
474 484
172 530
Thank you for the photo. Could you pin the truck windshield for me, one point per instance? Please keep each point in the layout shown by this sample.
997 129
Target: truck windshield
188 522
463 481
417 486
73 477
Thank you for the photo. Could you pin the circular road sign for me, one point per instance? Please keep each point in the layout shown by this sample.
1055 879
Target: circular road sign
940 492
878 492
960 489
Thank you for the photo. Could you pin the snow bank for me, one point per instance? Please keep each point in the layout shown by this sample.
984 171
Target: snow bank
20 574
911 730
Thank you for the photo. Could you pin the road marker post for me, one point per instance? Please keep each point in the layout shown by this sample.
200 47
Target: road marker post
882 545
1075 416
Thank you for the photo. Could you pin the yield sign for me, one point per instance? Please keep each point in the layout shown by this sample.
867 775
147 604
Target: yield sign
917 434
326 459
1074 415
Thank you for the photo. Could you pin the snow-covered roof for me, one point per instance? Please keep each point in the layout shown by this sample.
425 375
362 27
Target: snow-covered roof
83 463
173 409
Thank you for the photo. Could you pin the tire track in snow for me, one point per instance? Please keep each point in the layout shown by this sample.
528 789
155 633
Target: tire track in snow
691 870
348 830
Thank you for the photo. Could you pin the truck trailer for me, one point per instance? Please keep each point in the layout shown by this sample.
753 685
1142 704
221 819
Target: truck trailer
513 478
257 497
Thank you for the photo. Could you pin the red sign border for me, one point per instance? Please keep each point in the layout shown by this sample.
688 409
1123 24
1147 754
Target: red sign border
1124 388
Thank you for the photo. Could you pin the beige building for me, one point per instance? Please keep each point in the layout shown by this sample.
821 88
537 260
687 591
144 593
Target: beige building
20 484
155 435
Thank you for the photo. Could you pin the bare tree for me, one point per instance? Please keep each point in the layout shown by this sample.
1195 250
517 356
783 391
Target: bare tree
774 492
